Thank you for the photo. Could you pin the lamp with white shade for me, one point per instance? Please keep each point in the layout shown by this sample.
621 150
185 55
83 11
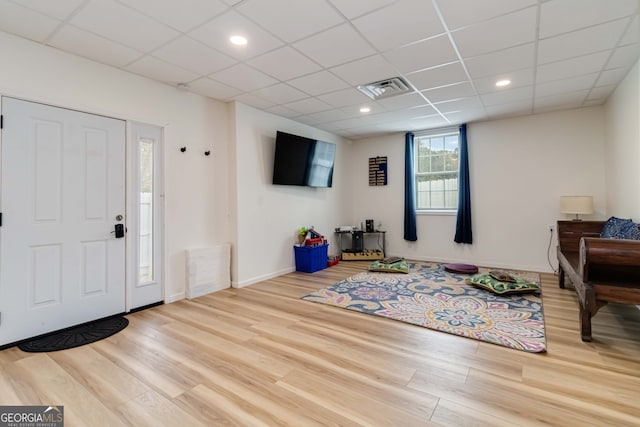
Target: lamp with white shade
576 205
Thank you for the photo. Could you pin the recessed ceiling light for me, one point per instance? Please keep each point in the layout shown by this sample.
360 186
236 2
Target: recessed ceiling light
502 83
365 109
238 40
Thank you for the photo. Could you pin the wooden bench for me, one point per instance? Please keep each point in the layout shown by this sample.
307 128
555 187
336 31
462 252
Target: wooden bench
601 270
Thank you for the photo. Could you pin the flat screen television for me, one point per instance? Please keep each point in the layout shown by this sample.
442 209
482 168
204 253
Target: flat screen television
303 161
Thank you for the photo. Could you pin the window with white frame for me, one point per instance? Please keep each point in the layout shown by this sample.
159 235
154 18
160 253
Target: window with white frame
436 170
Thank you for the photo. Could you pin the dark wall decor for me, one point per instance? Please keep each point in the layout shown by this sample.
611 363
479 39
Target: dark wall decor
377 171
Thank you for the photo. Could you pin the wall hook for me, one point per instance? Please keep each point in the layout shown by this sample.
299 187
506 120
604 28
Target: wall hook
183 149
206 153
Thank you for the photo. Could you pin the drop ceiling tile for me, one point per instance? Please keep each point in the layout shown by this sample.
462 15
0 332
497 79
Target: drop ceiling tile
421 111
194 56
400 23
407 100
573 84
320 46
561 16
88 45
26 23
506 96
371 117
354 110
400 115
511 59
367 70
243 77
421 123
580 42
624 56
308 120
344 97
284 64
593 102
560 102
439 76
253 101
281 111
612 77
601 93
511 108
334 115
422 55
477 11
213 89
457 118
183 15
280 94
462 104
291 20
347 123
632 35
217 31
59 9
123 25
327 116
330 127
499 33
571 67
159 70
518 79
445 93
318 83
354 8
308 106
343 133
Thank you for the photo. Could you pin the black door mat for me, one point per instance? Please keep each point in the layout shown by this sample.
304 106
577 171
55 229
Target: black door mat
75 336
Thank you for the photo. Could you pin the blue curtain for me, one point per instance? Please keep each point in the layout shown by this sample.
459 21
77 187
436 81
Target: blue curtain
409 191
463 223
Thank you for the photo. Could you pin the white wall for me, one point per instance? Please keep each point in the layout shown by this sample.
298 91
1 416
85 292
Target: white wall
519 168
196 187
267 215
623 148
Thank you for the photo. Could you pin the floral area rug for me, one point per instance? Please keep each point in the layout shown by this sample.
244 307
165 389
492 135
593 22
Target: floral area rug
431 297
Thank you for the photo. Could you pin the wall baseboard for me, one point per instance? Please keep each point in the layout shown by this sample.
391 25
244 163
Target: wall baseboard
261 278
175 297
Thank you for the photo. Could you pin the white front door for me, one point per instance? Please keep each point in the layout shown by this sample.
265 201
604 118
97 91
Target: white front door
63 192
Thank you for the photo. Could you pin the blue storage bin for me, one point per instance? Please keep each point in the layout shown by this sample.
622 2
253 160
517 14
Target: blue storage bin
311 258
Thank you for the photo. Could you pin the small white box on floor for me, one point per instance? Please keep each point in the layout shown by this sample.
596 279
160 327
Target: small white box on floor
208 270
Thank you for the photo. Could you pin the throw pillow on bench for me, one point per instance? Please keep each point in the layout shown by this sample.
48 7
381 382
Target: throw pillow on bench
620 228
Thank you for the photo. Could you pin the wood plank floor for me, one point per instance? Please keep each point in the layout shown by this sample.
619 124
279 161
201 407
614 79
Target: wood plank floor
260 356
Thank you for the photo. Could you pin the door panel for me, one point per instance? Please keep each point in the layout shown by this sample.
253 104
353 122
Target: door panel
63 184
44 280
95 153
